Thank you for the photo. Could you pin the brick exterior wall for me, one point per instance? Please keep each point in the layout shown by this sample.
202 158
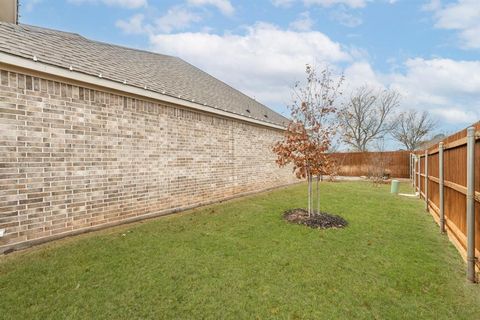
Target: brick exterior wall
74 158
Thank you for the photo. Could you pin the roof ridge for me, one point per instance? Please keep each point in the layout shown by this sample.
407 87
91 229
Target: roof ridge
43 29
40 29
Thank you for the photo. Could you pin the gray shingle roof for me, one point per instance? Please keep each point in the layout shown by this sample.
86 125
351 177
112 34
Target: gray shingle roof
160 73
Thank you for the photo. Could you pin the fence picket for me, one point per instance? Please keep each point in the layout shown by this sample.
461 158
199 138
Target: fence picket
395 163
426 181
453 198
441 187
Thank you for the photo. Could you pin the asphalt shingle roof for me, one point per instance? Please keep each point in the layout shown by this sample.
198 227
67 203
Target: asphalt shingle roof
160 73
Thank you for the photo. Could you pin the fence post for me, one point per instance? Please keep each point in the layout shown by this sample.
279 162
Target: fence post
471 204
426 180
418 181
410 168
414 174
440 187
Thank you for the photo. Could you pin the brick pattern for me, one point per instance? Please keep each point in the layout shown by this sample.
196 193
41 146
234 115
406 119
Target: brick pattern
160 73
73 157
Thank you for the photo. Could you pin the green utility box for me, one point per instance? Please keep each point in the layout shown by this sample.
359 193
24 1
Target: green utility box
394 187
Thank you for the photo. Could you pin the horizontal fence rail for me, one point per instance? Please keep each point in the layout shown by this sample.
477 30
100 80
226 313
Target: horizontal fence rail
394 163
447 178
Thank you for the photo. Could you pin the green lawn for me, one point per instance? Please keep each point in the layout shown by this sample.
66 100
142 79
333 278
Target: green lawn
240 260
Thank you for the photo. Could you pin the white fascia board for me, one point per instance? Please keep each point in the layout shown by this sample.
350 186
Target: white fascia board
110 84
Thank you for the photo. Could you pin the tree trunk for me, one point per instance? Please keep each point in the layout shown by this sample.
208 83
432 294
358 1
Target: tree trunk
311 197
310 205
318 194
309 193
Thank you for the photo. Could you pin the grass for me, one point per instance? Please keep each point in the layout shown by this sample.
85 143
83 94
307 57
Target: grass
239 260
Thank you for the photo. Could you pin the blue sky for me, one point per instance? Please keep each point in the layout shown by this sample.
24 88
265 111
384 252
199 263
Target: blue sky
429 51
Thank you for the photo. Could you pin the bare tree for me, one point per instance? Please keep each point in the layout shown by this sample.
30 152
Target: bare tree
379 163
366 117
412 128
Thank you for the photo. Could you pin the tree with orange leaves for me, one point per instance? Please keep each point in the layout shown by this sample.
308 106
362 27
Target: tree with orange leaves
309 135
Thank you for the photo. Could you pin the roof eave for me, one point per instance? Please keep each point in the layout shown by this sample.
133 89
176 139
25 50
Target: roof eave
41 67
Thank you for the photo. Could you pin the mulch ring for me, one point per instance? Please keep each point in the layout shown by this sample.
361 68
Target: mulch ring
321 220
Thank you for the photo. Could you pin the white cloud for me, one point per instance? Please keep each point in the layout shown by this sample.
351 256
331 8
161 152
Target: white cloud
129 4
282 3
329 3
432 5
176 18
444 75
448 88
359 74
345 18
263 62
463 16
323 3
456 115
303 23
134 25
224 6
29 5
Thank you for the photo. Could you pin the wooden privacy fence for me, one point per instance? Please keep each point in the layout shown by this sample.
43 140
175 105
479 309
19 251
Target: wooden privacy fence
447 177
394 163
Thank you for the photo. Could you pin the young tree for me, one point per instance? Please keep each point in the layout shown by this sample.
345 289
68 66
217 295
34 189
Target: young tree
366 117
304 153
309 134
412 127
378 163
